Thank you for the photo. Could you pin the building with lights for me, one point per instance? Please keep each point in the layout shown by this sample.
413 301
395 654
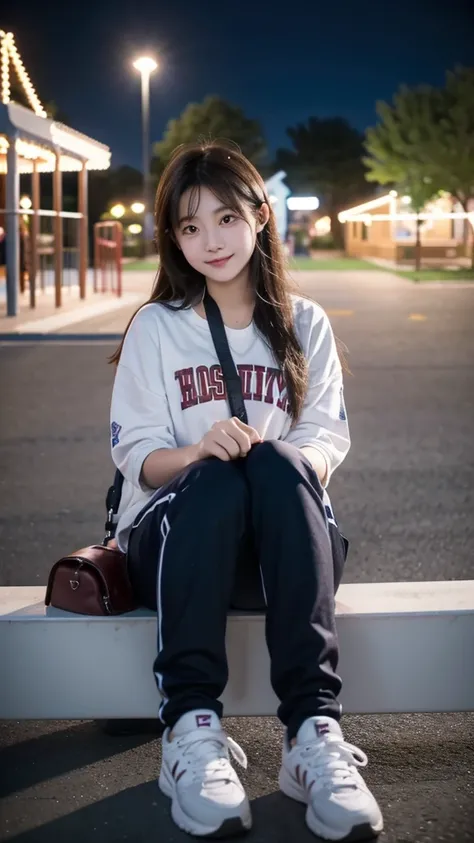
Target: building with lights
40 245
385 228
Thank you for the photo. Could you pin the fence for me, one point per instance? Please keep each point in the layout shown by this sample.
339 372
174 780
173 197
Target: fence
108 244
38 252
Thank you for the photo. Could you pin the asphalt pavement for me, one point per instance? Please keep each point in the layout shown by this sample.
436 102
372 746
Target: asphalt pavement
404 496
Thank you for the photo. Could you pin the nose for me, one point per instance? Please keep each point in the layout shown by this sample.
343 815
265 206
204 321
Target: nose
214 240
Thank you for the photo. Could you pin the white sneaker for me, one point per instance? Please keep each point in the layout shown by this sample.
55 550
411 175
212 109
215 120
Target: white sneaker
320 770
208 799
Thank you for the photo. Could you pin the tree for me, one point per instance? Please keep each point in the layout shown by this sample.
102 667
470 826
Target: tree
326 160
123 184
213 119
425 140
394 158
451 147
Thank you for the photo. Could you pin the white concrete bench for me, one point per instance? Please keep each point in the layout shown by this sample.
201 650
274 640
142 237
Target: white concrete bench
405 647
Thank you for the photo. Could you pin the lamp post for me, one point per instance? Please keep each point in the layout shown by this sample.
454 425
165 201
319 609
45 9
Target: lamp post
146 66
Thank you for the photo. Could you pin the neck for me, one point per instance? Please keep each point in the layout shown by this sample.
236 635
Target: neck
232 294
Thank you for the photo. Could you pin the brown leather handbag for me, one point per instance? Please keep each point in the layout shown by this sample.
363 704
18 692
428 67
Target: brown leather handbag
94 580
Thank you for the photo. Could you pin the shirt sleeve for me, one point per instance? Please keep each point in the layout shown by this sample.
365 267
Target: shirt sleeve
323 422
140 419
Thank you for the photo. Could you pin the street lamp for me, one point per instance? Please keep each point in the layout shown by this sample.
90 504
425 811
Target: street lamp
117 211
302 203
146 66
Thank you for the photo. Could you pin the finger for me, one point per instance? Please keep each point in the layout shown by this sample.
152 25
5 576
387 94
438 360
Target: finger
245 443
240 436
231 446
219 433
218 451
246 428
254 436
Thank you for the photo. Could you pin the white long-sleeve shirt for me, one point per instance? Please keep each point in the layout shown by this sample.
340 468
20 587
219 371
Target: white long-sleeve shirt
169 390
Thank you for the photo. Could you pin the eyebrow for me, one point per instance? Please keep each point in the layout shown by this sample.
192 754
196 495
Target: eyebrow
216 211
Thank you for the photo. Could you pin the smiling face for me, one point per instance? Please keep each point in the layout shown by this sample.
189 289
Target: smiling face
216 241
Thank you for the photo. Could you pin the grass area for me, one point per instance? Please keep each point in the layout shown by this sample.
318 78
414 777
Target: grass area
141 266
337 264
331 264
460 274
340 265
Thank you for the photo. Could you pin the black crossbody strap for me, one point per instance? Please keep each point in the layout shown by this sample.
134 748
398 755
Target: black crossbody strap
230 373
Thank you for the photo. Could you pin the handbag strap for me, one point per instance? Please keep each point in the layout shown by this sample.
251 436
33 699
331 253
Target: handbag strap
234 396
112 503
230 373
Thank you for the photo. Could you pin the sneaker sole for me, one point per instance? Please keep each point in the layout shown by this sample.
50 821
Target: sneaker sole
357 834
363 831
231 827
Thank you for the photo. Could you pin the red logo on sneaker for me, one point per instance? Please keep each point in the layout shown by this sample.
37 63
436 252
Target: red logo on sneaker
177 773
321 729
203 720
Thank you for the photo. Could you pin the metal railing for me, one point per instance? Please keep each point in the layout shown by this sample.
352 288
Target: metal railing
108 246
38 249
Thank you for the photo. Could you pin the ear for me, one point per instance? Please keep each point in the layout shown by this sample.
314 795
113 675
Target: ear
262 217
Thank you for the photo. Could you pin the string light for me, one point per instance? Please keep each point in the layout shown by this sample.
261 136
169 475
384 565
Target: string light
76 142
5 73
373 203
370 218
95 154
10 53
46 159
30 150
432 212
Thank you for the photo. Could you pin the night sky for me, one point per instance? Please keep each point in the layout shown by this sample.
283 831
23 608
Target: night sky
281 62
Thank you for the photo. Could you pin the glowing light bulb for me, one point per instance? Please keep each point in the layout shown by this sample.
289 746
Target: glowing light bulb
145 64
117 211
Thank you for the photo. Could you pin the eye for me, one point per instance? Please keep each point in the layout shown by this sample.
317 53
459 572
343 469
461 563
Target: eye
228 218
187 229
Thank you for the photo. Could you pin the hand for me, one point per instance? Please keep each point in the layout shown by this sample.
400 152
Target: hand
228 440
113 543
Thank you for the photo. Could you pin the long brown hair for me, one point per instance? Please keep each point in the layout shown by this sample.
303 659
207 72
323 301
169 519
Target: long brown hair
221 167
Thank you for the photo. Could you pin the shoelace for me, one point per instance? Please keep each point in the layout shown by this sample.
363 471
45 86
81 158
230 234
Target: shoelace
202 751
331 759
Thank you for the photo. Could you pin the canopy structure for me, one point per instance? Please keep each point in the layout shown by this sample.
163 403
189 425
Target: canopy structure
30 142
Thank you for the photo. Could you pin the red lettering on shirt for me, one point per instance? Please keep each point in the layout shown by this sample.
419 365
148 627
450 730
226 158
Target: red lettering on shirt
245 371
203 384
202 377
269 383
189 396
217 386
282 402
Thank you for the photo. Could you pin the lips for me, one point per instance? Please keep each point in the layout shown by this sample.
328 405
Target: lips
219 262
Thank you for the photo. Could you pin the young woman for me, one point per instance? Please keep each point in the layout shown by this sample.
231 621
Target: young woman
205 494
